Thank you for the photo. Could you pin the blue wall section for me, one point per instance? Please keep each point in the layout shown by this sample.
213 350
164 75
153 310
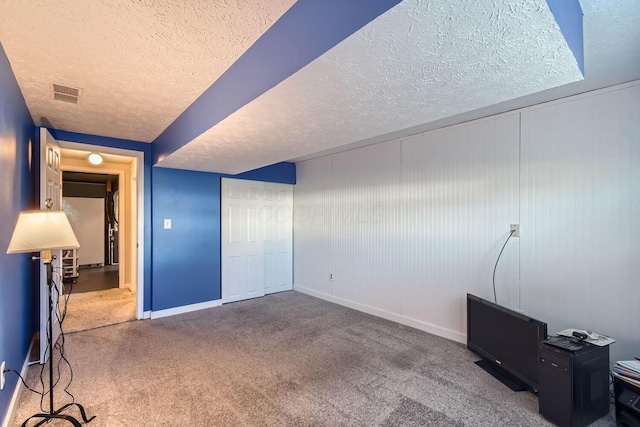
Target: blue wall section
186 258
282 173
176 272
125 144
16 194
306 31
568 15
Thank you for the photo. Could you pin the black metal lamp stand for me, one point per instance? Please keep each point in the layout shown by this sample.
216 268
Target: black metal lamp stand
54 414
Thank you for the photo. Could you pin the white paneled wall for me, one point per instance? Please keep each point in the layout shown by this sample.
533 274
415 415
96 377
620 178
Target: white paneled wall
461 192
365 212
580 207
312 224
408 222
408 227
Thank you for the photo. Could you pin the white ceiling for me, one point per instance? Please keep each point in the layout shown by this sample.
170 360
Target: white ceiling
422 65
417 63
139 63
611 55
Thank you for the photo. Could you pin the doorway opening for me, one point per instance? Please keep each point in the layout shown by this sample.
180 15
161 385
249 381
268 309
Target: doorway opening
91 273
103 278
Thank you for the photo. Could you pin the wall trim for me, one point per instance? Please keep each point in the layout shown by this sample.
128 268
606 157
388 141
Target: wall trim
17 392
404 320
185 309
146 314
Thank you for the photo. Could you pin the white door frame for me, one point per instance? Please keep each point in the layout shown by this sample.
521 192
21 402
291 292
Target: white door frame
139 156
49 162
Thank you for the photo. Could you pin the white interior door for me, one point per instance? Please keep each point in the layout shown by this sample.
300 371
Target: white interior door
277 219
50 188
242 237
257 239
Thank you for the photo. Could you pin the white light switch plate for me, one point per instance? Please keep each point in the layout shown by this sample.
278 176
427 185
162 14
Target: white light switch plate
167 224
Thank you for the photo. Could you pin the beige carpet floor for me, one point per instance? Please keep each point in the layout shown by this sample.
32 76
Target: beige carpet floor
283 360
92 310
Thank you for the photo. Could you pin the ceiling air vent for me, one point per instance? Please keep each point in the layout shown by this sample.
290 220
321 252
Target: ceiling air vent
66 93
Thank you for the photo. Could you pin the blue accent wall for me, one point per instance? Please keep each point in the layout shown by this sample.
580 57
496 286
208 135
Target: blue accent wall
16 194
306 31
186 258
126 144
176 272
569 16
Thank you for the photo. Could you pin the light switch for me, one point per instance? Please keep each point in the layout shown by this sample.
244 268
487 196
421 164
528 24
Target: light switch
167 223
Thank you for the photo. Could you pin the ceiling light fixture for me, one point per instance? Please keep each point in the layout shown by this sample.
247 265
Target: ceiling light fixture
95 158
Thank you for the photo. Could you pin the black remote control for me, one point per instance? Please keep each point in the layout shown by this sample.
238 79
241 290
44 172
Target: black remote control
580 335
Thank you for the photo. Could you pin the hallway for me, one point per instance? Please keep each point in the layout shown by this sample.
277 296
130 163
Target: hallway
95 300
94 279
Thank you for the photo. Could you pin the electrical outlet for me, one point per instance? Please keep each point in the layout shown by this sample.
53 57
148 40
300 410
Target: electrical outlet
330 276
167 224
516 230
2 368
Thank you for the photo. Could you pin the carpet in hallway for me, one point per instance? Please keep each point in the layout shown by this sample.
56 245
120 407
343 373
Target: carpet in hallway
91 310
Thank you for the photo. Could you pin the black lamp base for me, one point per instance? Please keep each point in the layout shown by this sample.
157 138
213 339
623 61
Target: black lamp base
57 414
51 415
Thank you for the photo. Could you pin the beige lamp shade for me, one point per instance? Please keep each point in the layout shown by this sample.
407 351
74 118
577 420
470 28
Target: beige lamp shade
42 230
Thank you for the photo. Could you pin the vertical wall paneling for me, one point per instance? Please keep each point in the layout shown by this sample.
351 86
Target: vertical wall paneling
414 224
580 205
311 226
367 263
462 195
408 227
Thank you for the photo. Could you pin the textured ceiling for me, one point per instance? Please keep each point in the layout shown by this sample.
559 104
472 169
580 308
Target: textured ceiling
611 55
138 63
420 66
419 62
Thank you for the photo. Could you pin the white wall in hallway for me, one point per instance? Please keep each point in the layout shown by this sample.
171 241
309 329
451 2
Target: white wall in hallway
408 227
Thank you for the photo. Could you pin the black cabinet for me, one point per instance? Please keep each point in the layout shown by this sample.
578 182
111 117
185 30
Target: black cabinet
574 381
627 403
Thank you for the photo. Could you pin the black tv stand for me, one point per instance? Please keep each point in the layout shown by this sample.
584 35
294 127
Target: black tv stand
503 376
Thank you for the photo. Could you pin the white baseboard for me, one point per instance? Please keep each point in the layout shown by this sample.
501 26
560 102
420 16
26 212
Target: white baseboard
146 315
185 309
8 420
404 320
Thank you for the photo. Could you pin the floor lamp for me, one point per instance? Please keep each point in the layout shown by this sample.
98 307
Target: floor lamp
44 231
